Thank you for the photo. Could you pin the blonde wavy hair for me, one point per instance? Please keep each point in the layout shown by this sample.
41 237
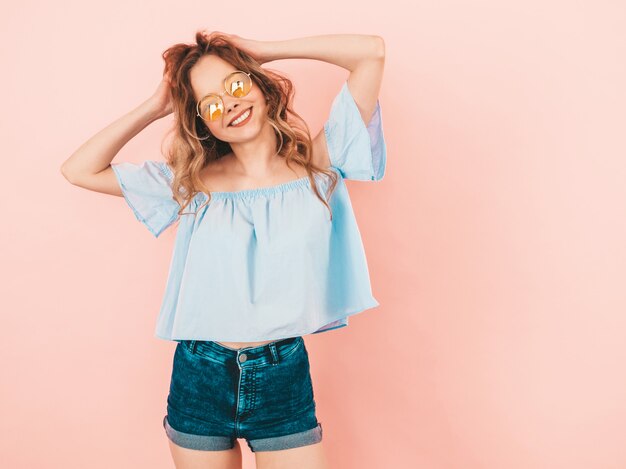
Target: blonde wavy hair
187 155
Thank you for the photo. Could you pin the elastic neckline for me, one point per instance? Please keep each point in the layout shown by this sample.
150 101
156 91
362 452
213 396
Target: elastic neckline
269 190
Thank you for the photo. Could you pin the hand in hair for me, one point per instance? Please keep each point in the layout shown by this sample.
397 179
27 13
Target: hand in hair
255 49
161 98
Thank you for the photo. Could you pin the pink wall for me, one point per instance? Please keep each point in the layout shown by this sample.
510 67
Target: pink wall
495 241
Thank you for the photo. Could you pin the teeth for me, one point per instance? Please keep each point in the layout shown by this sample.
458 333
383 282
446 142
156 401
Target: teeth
242 118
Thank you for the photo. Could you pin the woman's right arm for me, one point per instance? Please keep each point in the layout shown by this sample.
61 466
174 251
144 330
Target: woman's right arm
90 166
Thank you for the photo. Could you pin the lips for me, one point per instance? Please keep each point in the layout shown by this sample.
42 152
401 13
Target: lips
237 116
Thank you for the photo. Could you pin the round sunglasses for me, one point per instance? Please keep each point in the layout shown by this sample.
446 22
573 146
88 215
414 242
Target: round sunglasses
237 84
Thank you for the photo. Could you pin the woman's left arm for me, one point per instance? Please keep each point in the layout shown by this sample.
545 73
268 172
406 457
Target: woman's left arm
362 55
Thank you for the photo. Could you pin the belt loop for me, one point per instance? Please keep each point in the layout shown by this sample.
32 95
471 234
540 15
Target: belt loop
194 345
275 359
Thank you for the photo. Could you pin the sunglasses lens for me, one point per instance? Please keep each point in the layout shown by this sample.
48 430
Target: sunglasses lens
238 84
211 108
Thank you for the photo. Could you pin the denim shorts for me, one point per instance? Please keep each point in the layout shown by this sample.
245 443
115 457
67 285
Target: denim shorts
263 394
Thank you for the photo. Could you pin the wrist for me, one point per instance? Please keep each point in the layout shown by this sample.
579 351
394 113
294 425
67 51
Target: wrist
151 109
270 50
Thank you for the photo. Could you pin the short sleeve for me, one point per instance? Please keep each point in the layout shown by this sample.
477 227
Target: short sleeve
147 190
357 150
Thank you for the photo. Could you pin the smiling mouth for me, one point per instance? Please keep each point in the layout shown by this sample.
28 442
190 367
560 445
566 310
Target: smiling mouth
240 114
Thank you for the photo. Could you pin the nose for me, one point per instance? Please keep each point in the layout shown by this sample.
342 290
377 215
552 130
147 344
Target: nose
232 107
230 102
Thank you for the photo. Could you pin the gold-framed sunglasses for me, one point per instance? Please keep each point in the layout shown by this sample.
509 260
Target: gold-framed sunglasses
211 107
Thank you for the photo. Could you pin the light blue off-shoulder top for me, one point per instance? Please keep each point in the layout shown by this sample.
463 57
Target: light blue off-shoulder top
265 263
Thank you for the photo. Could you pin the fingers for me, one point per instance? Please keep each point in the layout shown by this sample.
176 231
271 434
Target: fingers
211 34
208 34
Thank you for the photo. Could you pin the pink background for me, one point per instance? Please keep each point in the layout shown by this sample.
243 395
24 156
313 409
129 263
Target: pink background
495 241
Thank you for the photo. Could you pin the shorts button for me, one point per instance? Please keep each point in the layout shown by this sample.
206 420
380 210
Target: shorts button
243 357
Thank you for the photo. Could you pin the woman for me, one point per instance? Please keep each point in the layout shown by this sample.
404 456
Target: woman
267 247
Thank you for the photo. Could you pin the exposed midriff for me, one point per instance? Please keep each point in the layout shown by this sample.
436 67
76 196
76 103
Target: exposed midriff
238 345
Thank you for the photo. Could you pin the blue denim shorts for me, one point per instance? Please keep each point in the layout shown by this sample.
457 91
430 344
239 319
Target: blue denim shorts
263 394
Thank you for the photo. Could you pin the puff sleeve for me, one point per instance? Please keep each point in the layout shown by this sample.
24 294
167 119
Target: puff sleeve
357 150
147 190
